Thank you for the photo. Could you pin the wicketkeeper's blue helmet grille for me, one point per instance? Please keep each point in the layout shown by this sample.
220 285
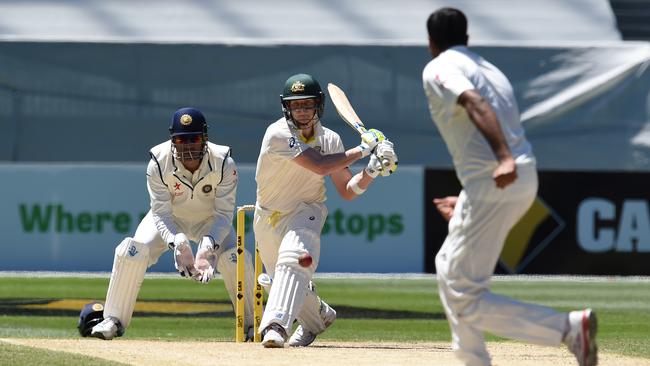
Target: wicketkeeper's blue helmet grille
189 134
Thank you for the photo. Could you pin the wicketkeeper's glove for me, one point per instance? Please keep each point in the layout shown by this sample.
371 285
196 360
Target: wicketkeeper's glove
206 260
183 256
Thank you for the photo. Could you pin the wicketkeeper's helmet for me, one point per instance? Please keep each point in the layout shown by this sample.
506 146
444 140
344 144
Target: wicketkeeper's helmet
302 86
187 130
91 315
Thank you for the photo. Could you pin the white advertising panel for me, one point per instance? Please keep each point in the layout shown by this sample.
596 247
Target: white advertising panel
70 217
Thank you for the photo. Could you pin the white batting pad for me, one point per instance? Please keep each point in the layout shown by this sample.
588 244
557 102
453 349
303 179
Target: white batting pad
309 316
129 265
297 242
227 266
287 296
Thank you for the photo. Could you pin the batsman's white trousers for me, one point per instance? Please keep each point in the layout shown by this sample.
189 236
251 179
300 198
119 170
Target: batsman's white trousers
482 219
281 239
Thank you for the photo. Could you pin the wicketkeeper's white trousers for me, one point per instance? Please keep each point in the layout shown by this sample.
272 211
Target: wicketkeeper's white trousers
482 219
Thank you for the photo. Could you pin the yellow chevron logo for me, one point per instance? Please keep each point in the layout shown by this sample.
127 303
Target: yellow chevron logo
519 248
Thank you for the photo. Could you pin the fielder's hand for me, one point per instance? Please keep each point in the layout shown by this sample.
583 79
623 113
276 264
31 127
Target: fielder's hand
386 152
206 261
369 141
446 206
183 256
505 173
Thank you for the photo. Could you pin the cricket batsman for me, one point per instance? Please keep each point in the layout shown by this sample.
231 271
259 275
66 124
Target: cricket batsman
296 155
192 185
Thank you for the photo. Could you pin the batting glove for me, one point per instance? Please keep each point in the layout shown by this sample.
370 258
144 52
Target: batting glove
369 141
386 153
374 166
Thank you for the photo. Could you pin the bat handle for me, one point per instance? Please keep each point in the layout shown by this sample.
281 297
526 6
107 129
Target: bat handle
385 163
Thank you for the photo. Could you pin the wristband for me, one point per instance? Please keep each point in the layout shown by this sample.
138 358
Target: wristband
353 184
364 149
356 189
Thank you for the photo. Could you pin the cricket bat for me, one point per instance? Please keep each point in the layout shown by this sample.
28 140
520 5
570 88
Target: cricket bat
347 113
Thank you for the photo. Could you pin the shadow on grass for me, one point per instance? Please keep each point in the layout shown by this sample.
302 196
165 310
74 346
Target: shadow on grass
176 308
383 346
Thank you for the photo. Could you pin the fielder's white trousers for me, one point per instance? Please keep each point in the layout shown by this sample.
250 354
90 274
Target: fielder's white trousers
482 219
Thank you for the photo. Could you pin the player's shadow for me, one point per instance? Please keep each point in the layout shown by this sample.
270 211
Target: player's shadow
426 346
176 308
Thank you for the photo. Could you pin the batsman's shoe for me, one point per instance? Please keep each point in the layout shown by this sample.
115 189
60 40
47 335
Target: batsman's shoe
108 329
581 338
274 336
302 337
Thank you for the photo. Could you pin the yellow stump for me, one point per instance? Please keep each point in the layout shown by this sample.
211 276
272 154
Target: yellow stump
259 296
241 282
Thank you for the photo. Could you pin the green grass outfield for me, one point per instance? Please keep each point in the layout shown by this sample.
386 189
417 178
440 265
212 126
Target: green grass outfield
370 309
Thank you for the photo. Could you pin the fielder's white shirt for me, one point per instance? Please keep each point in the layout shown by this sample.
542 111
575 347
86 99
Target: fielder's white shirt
192 203
281 183
447 76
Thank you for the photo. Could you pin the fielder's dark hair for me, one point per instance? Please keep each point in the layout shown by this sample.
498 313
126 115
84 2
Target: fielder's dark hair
447 27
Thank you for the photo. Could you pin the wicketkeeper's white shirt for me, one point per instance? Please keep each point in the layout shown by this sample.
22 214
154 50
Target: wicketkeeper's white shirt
194 204
445 78
283 184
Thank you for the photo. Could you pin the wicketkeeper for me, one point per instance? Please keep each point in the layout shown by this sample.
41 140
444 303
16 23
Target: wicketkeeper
192 185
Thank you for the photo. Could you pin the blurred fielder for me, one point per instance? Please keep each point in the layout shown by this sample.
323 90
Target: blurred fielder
297 152
192 185
473 105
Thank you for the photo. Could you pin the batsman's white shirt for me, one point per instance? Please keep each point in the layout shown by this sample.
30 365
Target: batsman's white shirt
289 218
194 204
445 78
282 184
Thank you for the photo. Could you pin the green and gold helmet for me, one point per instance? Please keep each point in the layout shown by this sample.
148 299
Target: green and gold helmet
302 86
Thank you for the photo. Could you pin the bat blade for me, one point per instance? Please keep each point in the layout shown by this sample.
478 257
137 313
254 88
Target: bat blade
347 113
344 108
